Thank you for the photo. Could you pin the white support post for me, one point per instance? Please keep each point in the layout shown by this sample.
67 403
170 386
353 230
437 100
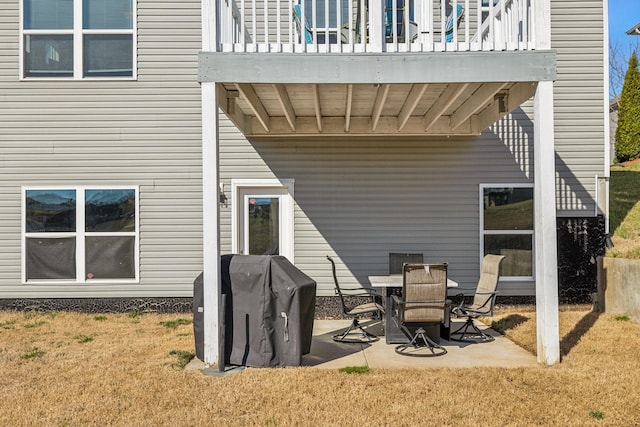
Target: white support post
545 227
210 222
210 179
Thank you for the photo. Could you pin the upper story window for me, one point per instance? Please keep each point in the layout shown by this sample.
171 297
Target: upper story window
78 39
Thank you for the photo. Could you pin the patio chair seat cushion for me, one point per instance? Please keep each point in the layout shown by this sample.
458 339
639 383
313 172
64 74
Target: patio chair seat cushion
366 308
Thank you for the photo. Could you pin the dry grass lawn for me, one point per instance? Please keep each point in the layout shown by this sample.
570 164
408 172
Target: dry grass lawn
70 369
625 210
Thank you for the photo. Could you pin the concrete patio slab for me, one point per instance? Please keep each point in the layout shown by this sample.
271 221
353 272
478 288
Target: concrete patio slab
326 353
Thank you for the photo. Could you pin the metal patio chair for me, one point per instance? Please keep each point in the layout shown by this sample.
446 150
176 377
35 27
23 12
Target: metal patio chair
355 333
397 260
302 25
483 302
448 26
423 305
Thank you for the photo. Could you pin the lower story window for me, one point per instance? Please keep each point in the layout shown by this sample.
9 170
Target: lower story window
507 227
80 234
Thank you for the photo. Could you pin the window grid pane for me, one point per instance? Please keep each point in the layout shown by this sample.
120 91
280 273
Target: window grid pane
110 211
48 14
48 55
107 14
508 208
518 252
108 55
110 257
50 211
51 258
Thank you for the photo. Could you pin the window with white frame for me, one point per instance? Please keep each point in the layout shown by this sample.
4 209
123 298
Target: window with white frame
80 234
506 222
78 38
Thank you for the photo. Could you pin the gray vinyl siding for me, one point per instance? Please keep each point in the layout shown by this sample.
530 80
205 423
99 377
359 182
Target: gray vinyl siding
359 199
577 33
145 132
355 199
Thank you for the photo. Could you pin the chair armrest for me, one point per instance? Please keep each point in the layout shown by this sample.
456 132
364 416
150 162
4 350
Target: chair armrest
466 311
359 292
461 289
471 289
433 301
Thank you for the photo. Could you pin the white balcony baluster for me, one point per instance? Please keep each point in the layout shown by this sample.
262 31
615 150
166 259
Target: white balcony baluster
375 25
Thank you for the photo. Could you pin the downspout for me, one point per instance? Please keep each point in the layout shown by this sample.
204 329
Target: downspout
607 129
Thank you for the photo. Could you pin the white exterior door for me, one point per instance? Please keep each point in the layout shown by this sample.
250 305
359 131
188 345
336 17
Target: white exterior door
263 217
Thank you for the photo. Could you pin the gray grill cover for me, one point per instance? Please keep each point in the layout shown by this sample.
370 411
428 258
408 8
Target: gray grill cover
272 309
259 289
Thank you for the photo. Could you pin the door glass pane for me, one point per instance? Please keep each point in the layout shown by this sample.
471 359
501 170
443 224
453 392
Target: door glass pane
48 56
107 15
508 208
264 225
518 252
108 55
48 14
320 13
110 257
50 210
110 210
51 258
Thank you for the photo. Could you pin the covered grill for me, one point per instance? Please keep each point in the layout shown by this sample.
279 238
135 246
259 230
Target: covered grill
269 311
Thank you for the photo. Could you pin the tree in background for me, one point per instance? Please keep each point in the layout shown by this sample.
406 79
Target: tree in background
619 54
628 131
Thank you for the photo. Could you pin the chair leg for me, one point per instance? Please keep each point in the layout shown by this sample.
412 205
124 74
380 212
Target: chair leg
348 334
475 332
412 348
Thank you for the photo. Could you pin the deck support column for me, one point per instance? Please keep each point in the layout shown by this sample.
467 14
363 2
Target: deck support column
210 181
546 267
210 222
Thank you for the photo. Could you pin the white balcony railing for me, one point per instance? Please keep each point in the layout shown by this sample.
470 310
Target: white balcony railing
369 25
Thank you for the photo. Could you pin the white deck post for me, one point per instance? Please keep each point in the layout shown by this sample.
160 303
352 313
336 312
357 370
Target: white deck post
376 28
545 203
545 227
210 179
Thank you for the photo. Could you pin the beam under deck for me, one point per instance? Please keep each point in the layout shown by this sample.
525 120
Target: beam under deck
381 68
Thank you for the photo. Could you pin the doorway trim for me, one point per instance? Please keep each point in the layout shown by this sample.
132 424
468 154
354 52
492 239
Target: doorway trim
237 185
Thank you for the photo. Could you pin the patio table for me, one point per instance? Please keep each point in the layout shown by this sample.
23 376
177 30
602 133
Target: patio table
391 284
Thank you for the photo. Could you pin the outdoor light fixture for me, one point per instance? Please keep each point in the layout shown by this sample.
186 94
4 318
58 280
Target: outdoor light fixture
501 98
222 198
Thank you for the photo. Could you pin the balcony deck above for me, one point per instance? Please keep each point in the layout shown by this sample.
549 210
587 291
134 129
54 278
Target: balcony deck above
276 79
